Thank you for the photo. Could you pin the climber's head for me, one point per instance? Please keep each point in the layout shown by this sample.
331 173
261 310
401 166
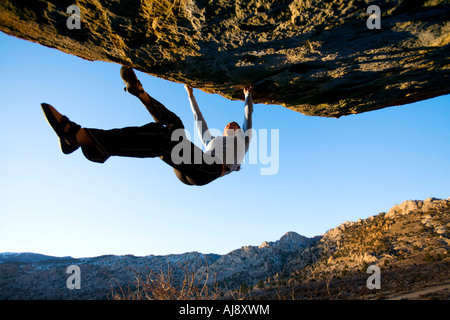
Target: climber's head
232 129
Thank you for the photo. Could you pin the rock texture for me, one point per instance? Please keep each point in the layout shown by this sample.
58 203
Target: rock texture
408 234
316 57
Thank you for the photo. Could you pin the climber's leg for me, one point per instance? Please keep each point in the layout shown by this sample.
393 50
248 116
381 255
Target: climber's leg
148 141
158 111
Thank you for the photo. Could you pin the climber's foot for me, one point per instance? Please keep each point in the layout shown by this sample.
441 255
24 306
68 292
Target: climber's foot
132 83
64 128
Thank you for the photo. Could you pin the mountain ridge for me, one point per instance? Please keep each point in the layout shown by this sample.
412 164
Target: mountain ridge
289 239
413 235
27 257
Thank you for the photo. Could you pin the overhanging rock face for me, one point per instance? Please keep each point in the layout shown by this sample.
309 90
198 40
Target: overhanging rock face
315 57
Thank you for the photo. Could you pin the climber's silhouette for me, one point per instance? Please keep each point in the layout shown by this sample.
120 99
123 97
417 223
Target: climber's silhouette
163 138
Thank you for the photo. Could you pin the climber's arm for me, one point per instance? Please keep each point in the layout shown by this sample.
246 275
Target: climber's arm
248 111
200 122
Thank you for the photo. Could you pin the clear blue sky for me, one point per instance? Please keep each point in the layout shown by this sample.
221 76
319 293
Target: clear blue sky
330 170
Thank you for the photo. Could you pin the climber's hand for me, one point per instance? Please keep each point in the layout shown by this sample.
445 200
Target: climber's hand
189 90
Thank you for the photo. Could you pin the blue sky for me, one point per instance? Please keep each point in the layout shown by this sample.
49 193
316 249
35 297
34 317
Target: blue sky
330 170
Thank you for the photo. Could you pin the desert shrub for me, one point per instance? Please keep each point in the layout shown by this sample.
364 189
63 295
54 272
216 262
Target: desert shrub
163 286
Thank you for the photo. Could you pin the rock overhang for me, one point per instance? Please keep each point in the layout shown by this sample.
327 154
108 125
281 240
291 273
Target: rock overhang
315 57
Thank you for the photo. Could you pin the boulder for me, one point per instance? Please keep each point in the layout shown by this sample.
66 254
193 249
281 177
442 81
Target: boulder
321 58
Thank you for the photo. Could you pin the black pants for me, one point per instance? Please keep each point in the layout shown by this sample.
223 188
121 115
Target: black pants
154 140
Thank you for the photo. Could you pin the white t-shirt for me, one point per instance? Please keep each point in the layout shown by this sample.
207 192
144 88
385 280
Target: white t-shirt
228 150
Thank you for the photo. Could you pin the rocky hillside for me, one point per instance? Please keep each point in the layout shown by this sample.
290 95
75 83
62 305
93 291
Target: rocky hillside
252 263
411 231
316 57
31 276
410 243
100 278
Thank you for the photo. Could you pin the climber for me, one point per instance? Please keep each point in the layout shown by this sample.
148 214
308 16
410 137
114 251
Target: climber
192 166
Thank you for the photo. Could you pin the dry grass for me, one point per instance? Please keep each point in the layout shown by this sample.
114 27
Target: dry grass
163 286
